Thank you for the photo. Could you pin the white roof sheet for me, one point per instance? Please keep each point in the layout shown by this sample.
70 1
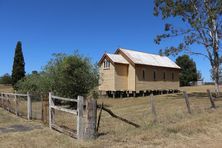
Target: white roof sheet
116 58
149 59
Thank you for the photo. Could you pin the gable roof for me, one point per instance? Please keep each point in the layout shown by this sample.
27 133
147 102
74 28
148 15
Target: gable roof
115 58
148 59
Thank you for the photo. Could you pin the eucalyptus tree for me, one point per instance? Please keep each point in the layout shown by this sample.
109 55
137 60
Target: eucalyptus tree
202 23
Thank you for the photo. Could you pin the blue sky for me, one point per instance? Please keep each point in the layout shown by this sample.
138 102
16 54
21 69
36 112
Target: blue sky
90 26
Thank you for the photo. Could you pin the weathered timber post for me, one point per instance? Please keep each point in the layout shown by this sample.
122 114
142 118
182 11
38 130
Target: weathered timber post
80 120
187 101
51 111
16 104
153 108
29 106
2 100
100 114
3 106
91 109
211 99
7 96
42 107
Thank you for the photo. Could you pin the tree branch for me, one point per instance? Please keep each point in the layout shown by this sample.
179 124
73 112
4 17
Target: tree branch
118 117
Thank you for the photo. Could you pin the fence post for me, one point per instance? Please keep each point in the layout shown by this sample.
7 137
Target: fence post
100 113
16 105
50 112
90 130
153 108
7 103
3 106
187 101
211 99
42 111
2 100
80 122
29 106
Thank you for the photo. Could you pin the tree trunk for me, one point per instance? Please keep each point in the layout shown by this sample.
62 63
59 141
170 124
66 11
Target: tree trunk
216 80
216 55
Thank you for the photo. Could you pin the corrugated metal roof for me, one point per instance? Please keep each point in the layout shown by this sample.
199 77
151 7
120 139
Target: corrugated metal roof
149 59
116 58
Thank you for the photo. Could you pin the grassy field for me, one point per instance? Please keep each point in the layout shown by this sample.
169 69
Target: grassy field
175 127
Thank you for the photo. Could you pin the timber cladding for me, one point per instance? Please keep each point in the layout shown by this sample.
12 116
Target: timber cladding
151 77
121 77
107 77
124 74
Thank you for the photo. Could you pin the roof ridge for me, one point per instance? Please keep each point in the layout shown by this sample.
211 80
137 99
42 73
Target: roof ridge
142 52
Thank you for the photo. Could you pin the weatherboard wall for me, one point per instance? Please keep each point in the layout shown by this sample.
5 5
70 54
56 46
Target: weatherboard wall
121 77
147 82
107 78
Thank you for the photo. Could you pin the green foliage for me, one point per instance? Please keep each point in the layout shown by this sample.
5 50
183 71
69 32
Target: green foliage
18 71
6 79
64 75
202 21
35 83
188 70
72 75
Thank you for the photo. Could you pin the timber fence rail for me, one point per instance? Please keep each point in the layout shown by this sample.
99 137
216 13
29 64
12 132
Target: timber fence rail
13 102
77 112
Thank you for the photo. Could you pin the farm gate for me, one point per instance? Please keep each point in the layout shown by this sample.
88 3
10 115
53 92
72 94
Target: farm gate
61 104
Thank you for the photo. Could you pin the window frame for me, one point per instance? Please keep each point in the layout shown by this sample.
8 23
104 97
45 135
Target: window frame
154 75
106 64
172 75
164 76
144 74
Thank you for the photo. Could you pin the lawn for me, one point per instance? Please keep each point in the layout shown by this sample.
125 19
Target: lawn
174 128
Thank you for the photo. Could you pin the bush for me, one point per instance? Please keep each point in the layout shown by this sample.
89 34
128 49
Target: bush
65 75
34 83
6 79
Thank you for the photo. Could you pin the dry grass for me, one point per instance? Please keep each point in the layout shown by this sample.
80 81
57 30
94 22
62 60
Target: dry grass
6 88
175 127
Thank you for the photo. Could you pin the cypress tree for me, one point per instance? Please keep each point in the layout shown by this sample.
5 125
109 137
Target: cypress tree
18 71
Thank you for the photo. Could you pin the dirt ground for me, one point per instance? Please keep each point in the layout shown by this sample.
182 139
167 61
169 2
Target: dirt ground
174 127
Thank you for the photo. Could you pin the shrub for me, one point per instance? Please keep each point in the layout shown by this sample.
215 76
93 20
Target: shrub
6 79
65 75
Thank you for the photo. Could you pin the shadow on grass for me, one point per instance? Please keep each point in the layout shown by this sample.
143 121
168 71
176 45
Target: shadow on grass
102 134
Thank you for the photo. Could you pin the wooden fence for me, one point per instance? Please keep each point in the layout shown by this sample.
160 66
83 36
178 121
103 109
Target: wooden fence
78 112
8 98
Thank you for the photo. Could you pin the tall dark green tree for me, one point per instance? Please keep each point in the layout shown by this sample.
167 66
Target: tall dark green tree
188 70
18 71
202 21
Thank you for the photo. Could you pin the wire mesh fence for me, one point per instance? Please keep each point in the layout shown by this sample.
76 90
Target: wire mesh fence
31 106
